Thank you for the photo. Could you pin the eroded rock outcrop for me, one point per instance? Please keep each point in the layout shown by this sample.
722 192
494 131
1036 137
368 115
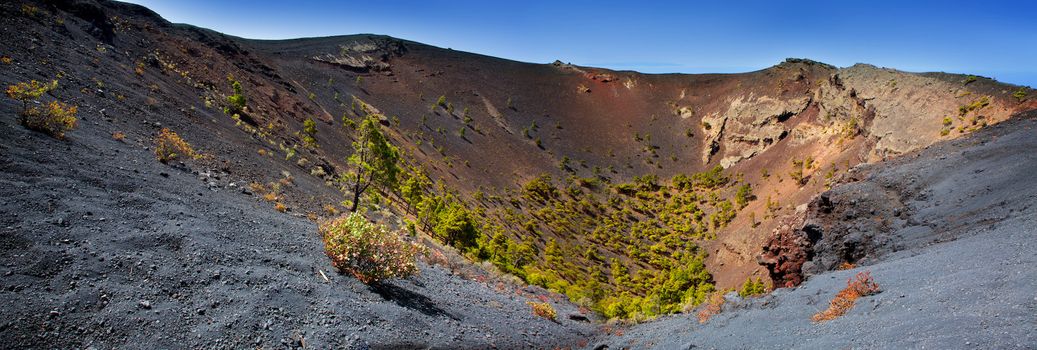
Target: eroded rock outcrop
749 126
369 55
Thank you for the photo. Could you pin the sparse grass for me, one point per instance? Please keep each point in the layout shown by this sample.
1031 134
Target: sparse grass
368 251
849 130
118 136
169 146
30 10
861 285
280 207
797 172
544 310
5 59
330 209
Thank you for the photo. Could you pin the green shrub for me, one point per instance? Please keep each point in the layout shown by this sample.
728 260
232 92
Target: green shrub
647 182
752 287
368 251
456 226
975 105
744 195
309 130
236 102
540 188
689 284
712 178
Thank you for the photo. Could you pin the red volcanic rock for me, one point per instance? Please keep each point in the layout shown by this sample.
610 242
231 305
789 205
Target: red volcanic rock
786 252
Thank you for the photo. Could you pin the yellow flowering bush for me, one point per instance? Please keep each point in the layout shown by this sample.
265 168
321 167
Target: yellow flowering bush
169 146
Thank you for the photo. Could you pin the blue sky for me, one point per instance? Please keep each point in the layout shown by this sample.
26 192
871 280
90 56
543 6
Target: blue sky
990 38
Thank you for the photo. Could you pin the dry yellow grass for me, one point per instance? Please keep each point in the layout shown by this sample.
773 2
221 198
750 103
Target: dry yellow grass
543 310
859 286
330 210
169 146
713 306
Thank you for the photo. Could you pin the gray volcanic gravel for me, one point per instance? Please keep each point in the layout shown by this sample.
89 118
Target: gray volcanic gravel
102 246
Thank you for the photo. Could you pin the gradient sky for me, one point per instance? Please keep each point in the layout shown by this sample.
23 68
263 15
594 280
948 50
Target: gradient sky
990 38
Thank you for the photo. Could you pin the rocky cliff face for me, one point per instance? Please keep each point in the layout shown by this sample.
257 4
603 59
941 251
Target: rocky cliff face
898 111
749 126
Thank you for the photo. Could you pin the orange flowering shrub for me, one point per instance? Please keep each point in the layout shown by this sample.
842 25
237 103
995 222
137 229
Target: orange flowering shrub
369 252
543 310
859 286
713 306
